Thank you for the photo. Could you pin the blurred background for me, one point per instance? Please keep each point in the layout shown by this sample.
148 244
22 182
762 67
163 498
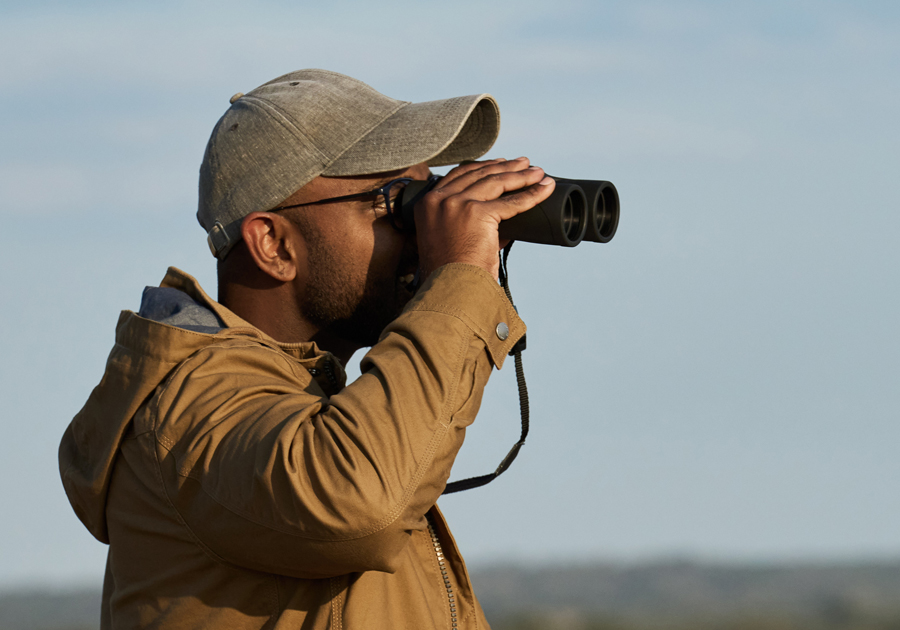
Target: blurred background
717 387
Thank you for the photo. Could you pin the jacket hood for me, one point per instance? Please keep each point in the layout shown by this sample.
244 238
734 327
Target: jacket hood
176 320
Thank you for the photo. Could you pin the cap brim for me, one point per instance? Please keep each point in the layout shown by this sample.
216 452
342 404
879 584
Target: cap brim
436 132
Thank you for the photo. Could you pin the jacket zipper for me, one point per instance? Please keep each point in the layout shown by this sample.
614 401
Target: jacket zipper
328 367
439 552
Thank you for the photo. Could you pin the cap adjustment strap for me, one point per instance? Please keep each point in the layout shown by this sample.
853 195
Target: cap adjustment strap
217 239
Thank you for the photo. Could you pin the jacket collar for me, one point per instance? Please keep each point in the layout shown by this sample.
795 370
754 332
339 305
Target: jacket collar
307 351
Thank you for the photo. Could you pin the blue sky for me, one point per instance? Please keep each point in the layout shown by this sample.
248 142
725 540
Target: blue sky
719 382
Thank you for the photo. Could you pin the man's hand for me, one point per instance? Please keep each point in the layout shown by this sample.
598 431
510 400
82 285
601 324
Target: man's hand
457 221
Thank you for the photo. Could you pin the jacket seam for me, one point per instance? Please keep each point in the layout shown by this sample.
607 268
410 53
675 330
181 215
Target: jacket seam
196 539
483 335
190 332
127 349
136 435
461 315
478 271
222 339
436 438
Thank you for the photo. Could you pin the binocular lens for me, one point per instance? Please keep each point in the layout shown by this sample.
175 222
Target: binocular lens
607 215
561 219
603 208
572 218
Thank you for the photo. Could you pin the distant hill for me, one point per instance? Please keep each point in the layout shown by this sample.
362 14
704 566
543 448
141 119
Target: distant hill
693 595
77 609
815 595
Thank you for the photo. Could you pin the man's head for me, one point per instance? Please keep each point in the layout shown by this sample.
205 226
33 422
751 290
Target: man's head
333 272
277 138
336 272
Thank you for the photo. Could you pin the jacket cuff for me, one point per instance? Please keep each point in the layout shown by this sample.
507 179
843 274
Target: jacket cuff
471 294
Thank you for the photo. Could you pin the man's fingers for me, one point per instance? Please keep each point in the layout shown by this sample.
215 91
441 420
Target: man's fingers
458 179
509 206
491 185
469 167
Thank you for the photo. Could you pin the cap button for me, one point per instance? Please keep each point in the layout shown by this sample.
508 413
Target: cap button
502 331
235 97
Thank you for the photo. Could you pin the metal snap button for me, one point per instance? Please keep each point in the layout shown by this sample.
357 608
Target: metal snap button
502 331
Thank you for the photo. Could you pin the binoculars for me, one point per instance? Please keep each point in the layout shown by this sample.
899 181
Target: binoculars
578 210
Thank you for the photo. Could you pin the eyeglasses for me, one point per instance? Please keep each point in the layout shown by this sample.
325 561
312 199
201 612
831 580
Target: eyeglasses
389 193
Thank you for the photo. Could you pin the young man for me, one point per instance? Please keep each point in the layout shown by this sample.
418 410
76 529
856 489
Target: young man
238 481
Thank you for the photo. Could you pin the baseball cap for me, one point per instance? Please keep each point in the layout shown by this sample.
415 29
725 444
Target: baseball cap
280 136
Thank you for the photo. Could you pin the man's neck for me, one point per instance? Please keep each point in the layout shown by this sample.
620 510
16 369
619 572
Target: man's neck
273 310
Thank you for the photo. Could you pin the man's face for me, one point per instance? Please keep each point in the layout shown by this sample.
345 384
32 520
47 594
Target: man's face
357 264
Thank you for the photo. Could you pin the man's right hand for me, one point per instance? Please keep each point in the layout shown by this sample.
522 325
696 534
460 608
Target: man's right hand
458 220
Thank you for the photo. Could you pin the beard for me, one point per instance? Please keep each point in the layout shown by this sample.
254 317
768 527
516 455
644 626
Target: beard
353 307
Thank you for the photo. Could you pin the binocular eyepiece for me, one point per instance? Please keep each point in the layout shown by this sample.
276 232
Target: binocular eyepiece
577 210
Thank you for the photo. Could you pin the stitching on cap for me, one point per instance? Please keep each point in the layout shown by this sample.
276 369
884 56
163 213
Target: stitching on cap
368 131
277 113
475 134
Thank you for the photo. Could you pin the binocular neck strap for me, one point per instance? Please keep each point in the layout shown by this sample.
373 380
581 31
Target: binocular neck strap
516 352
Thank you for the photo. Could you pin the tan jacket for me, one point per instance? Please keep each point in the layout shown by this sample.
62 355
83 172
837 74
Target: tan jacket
239 484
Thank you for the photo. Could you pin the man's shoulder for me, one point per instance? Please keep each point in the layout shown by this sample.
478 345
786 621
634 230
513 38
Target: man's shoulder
233 375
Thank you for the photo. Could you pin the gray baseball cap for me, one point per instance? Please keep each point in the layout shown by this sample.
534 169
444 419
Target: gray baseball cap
285 133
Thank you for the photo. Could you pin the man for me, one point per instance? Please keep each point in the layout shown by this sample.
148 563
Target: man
238 482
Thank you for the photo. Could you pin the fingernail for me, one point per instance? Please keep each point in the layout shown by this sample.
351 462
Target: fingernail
520 158
533 168
546 181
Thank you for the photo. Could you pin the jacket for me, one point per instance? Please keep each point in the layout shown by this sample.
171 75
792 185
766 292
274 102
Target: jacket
239 483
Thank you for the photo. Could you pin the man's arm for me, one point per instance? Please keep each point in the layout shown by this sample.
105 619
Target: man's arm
271 475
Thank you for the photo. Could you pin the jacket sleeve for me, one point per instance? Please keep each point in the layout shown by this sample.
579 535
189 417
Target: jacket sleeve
270 474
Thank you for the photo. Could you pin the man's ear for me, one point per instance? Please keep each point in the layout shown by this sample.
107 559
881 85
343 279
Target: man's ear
272 243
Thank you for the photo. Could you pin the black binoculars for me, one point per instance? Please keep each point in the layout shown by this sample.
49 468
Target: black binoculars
578 209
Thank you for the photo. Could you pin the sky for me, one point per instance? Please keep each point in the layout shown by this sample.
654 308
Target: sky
719 382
